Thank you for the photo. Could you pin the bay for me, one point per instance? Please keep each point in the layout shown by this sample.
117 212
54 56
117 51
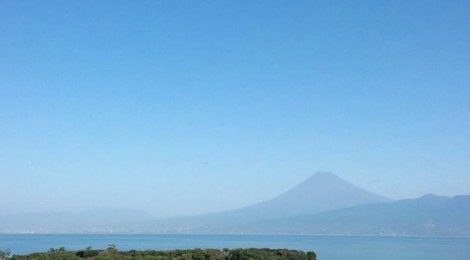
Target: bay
326 247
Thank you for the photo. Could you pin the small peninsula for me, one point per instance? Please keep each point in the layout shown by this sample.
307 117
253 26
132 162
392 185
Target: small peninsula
207 254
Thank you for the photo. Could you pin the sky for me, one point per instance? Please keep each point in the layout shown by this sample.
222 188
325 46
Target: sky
189 107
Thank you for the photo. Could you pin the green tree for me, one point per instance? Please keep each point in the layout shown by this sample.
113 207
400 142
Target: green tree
311 256
4 254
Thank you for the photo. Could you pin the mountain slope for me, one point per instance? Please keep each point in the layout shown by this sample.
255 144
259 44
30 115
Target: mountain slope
428 215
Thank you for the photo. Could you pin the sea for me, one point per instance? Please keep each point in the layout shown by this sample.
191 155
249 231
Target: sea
326 247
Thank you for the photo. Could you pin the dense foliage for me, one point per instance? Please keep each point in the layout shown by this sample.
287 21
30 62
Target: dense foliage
199 254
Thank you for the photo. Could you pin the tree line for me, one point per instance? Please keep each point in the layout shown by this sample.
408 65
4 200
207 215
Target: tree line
191 254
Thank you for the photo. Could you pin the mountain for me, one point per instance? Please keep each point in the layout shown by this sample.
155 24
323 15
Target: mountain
321 192
429 215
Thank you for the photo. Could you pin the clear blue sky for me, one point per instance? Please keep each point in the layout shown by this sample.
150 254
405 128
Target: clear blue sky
186 107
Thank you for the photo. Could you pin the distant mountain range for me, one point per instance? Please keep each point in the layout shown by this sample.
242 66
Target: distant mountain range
92 221
430 215
322 204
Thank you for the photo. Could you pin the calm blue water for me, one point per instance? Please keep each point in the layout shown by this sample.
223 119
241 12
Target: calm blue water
326 247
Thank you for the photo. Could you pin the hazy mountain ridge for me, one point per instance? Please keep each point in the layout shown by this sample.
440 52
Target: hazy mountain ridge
425 216
95 220
322 204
